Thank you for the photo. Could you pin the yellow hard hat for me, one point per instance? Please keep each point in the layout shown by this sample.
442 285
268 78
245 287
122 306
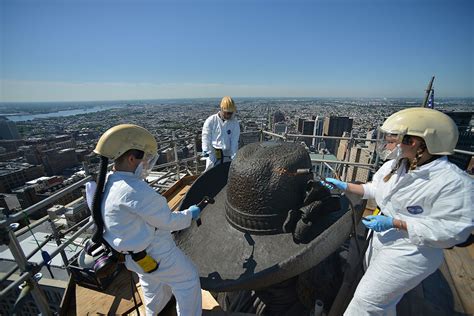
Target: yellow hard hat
120 138
438 130
228 105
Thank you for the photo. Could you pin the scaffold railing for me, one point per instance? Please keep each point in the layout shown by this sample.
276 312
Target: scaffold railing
9 231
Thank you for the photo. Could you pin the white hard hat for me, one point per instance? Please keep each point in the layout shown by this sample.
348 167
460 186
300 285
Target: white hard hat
438 130
121 138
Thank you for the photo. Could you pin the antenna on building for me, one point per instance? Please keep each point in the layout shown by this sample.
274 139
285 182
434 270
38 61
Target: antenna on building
428 91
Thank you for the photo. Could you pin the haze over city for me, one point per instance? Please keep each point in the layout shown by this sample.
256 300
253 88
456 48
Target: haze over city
125 50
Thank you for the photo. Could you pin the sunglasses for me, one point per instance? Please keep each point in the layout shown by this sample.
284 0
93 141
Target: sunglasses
406 140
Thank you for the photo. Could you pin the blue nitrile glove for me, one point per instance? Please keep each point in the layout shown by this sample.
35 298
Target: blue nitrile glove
337 183
379 223
195 211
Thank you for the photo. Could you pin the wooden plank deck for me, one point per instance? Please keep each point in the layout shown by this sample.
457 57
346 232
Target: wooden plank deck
449 291
460 262
116 300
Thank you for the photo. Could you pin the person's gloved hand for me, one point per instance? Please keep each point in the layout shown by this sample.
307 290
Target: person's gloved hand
379 223
195 211
331 183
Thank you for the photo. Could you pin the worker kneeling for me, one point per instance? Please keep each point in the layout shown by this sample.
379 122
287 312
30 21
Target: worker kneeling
135 220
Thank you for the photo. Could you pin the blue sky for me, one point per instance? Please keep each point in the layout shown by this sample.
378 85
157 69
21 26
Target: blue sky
105 50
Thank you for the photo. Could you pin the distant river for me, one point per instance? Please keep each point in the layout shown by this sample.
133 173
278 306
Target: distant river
18 118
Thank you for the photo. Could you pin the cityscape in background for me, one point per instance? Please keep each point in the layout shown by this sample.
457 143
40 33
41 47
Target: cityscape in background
45 147
323 74
46 156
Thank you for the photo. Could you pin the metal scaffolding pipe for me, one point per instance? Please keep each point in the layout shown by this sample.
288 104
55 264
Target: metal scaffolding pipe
49 200
357 164
25 229
15 284
42 263
67 242
31 254
331 137
275 135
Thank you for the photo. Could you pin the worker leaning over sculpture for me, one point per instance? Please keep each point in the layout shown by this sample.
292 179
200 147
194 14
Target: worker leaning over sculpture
136 221
427 205
220 134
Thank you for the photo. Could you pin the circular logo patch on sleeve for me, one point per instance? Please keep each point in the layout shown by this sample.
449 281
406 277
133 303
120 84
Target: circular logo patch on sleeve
416 209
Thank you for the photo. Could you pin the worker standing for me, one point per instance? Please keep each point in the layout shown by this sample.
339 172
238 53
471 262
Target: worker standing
136 221
220 134
426 203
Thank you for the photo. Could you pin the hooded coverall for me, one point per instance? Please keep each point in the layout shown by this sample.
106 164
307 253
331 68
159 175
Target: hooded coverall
220 134
436 202
137 218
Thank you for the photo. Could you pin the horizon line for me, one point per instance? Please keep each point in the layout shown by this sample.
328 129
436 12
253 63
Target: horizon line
234 97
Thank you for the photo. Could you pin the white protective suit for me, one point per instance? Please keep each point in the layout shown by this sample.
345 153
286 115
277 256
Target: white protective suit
220 134
138 218
436 202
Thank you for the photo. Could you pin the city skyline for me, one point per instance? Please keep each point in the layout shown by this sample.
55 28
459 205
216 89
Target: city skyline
104 50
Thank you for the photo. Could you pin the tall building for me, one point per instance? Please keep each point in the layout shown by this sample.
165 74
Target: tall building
308 129
280 128
26 195
249 137
250 134
55 161
313 127
13 175
30 194
318 131
9 156
360 154
278 117
464 121
11 144
250 126
70 143
76 211
336 126
342 148
8 129
299 124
